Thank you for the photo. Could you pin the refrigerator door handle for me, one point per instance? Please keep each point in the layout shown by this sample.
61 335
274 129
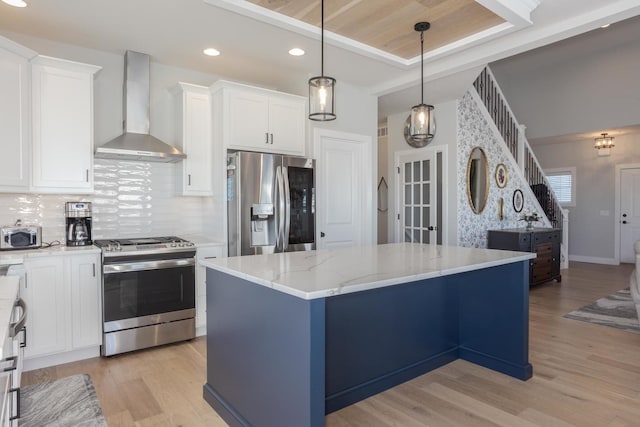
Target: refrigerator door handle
280 217
287 209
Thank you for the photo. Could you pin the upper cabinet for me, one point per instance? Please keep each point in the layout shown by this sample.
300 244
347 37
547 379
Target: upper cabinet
62 96
15 121
194 139
257 119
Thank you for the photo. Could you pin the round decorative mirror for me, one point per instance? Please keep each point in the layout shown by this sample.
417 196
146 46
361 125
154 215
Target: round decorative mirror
477 180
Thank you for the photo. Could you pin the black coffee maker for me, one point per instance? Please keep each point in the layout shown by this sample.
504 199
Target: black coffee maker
78 216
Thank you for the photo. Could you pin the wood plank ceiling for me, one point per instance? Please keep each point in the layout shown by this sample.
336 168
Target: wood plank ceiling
388 24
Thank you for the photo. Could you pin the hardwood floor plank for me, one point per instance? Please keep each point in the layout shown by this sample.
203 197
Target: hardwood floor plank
583 375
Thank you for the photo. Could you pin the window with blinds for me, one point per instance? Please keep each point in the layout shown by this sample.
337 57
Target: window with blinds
562 183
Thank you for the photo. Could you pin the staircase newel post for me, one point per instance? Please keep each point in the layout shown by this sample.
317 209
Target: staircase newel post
521 144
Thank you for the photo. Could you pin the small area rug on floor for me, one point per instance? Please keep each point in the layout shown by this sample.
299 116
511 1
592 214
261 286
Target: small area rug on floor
616 311
65 402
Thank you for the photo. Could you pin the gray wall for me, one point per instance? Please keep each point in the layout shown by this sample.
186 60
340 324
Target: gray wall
591 234
580 91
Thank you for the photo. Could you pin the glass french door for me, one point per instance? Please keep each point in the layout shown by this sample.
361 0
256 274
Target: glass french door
419 215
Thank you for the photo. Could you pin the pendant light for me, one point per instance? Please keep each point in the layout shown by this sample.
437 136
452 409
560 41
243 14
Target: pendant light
321 88
422 125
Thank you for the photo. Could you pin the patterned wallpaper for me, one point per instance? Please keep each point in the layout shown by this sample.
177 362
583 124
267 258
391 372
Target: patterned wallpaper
474 131
131 199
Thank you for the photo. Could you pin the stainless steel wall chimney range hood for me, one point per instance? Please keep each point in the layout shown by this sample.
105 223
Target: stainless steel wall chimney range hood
137 143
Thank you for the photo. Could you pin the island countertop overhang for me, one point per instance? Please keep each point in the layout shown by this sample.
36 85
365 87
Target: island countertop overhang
328 272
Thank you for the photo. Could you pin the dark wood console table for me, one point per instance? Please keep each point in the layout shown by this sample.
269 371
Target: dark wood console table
545 242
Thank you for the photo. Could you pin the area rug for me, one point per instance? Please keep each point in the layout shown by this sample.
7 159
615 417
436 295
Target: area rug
616 311
65 402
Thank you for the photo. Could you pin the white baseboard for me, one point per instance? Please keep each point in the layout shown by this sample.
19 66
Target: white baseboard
201 330
593 260
60 358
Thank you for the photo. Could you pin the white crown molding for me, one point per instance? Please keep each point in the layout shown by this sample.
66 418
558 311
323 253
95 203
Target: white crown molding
516 12
519 40
16 48
251 10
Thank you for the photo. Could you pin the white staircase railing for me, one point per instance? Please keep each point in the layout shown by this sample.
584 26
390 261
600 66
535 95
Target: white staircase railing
512 134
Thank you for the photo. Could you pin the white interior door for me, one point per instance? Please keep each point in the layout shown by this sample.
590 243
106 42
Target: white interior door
419 216
629 213
344 204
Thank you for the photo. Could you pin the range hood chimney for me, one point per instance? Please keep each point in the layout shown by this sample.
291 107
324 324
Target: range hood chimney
137 143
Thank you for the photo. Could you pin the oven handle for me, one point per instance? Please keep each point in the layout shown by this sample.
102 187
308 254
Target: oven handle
125 267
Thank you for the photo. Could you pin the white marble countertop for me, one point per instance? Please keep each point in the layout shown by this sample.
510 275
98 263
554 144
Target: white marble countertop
202 241
8 293
328 272
6 256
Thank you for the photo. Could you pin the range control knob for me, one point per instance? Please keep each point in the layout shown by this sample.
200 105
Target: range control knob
173 244
181 244
190 244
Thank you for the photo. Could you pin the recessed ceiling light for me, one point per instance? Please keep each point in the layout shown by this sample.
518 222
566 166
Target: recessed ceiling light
211 52
296 51
605 26
15 3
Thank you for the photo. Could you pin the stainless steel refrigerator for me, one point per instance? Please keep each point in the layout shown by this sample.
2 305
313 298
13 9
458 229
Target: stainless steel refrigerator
271 203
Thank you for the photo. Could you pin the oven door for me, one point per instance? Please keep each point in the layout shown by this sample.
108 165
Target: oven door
147 292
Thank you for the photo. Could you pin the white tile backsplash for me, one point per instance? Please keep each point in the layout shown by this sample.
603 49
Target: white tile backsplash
130 199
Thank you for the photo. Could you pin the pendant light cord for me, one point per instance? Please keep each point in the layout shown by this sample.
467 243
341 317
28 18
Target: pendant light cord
322 38
422 66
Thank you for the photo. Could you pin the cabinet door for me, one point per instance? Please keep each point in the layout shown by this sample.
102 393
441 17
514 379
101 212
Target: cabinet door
47 297
287 125
197 145
207 252
86 306
62 129
248 124
14 121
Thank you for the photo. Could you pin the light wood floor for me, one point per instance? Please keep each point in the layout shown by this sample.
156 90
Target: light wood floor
583 375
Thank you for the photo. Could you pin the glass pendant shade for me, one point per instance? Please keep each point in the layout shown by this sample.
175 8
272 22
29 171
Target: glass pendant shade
422 126
321 98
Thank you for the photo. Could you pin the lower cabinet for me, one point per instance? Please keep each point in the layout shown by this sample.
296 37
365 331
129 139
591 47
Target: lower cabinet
86 304
47 296
63 296
202 253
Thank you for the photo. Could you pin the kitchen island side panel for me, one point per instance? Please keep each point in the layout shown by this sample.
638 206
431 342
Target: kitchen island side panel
383 337
265 354
494 318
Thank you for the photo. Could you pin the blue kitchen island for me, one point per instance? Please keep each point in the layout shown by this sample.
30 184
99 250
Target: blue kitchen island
294 336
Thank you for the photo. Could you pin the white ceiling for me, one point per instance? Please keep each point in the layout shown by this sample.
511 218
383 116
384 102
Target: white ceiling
254 49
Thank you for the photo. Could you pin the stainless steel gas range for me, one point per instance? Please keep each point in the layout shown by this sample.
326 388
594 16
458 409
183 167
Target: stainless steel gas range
148 292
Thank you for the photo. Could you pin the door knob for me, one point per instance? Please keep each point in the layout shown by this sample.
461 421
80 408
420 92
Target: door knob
322 234
430 228
624 222
624 215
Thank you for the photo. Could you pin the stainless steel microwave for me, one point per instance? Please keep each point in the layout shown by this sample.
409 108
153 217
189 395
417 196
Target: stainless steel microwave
20 237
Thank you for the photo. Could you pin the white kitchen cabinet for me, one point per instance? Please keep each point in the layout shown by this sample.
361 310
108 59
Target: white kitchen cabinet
202 253
86 304
15 116
46 293
261 120
194 139
62 115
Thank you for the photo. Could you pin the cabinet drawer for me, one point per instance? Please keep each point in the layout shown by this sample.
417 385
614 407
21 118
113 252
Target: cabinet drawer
551 236
543 249
541 275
